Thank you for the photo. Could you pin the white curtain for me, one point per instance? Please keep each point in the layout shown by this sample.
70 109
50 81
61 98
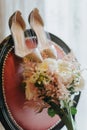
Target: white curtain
67 19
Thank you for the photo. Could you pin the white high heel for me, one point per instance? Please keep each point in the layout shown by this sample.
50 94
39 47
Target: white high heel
17 27
37 25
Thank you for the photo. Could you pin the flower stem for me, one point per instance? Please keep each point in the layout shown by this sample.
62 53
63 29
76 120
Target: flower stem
65 116
69 121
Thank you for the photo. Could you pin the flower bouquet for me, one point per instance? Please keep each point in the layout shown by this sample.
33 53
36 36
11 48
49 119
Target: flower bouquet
49 81
53 84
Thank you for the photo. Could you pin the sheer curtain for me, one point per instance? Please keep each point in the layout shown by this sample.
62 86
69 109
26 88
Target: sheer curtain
67 19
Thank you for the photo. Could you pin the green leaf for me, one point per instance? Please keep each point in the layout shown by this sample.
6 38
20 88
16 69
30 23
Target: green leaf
23 85
71 89
51 112
40 85
73 110
47 99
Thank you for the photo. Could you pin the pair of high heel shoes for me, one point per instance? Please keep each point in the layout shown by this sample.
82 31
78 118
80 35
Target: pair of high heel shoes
17 26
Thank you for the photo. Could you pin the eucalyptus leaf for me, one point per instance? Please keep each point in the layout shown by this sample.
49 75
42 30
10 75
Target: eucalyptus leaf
51 112
73 110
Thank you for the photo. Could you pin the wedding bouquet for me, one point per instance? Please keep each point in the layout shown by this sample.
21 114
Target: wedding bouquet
53 84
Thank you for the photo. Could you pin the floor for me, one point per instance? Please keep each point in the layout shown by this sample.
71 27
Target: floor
1 127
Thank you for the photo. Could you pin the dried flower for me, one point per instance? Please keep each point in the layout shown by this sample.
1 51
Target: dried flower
53 82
